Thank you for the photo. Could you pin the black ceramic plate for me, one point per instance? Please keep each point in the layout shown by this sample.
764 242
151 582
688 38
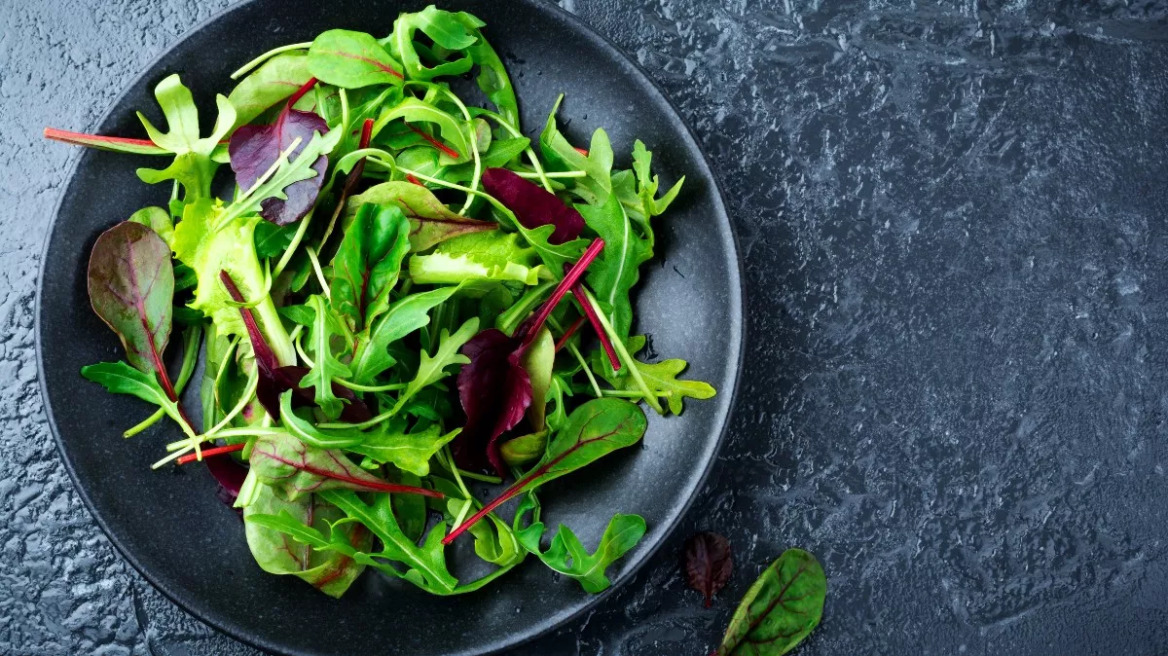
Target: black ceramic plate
168 523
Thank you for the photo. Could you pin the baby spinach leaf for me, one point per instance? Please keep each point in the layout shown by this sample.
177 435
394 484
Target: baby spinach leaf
782 607
707 563
277 552
131 287
481 256
157 219
617 269
255 149
495 391
368 263
431 222
352 60
533 206
403 317
281 460
568 556
594 430
327 366
275 80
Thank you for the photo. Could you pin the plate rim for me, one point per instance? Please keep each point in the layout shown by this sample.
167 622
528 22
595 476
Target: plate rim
737 336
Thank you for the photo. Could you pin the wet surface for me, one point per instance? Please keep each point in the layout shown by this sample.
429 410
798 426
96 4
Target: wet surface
953 223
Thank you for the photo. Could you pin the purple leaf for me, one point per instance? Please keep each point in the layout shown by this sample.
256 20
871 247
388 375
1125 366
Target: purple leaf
131 287
534 206
254 149
707 563
495 391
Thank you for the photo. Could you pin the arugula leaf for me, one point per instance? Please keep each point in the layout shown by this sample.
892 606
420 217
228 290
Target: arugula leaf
445 29
432 368
193 166
481 256
492 78
121 378
276 553
662 380
594 430
326 366
403 317
617 269
431 222
647 183
568 556
279 459
388 442
131 287
310 434
351 60
561 155
368 263
277 79
783 606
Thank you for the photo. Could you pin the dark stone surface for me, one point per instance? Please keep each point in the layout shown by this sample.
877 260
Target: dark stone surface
953 218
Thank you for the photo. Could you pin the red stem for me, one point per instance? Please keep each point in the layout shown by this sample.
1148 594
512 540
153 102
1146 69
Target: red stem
207 453
590 312
570 279
569 332
295 97
434 142
79 138
582 151
366 133
410 178
264 356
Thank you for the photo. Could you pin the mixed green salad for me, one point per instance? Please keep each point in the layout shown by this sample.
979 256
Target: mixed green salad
395 298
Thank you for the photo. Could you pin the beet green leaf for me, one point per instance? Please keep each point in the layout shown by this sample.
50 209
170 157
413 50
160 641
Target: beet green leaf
352 60
782 607
368 263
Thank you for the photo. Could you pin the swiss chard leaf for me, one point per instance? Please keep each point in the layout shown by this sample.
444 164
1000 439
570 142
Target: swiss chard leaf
368 263
275 80
131 287
568 556
495 391
277 552
594 430
707 563
255 149
403 317
533 206
431 222
352 60
782 607
283 461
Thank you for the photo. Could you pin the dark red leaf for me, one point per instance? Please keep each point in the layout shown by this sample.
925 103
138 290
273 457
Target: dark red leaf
533 205
495 391
255 148
707 563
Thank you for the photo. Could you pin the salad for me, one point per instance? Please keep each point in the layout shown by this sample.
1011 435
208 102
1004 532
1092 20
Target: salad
390 299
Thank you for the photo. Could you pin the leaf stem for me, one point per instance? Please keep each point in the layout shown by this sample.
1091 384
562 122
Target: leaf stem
231 448
627 359
247 68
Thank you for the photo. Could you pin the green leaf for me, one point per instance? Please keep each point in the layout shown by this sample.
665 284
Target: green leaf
445 29
368 263
121 378
481 256
427 563
568 556
301 315
561 155
410 509
432 368
272 240
352 60
538 360
662 380
492 78
272 526
594 430
403 317
615 272
431 222
283 461
647 184
157 219
389 443
131 287
277 79
326 365
782 607
310 434
417 111
525 449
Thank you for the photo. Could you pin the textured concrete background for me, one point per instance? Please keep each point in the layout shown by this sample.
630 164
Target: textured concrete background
954 223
